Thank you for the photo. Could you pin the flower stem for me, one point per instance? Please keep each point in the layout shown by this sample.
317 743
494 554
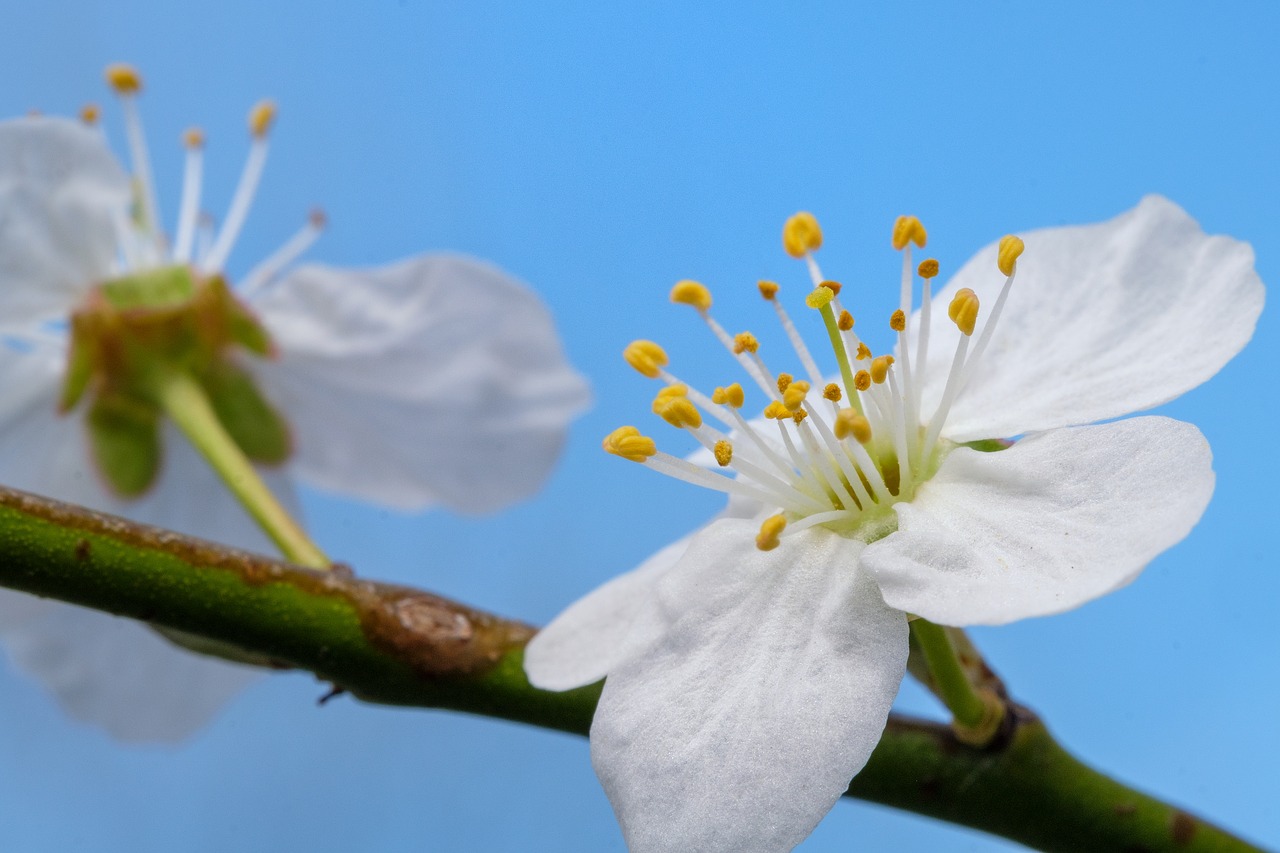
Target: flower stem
185 401
954 688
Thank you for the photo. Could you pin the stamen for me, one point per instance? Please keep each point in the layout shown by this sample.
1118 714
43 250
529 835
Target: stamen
797 342
192 181
768 289
128 83
928 271
731 396
964 312
676 410
89 114
1010 249
880 368
801 234
680 469
261 117
646 357
628 443
268 270
723 451
832 393
687 292
770 530
837 451
1007 254
907 229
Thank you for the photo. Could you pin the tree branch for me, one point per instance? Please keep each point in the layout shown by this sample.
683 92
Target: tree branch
399 646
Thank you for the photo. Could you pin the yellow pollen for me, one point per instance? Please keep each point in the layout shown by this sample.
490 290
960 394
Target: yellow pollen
646 357
677 411
770 530
799 415
833 286
768 289
880 368
731 396
832 392
687 292
776 411
864 352
1007 255
724 453
907 229
261 117
745 342
964 310
850 423
628 443
928 268
89 114
819 298
862 380
795 394
784 381
801 235
124 78
898 320
193 137
845 321
672 391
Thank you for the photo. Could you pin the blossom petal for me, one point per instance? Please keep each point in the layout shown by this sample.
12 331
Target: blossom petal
60 189
439 379
1060 518
111 672
596 632
115 673
742 725
1103 320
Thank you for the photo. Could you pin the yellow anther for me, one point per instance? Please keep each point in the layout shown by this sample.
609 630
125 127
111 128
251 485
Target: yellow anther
833 286
845 321
672 391
880 368
261 117
646 357
89 114
745 342
731 396
907 229
820 297
799 415
770 531
864 352
784 381
628 443
795 394
1007 256
801 235
124 78
928 268
677 411
963 310
768 289
833 393
193 137
850 423
724 453
693 293
862 380
898 320
776 411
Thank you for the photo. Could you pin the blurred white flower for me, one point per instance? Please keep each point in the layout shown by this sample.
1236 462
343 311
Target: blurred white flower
751 667
437 380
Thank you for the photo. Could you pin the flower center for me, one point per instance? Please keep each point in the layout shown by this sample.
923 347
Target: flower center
839 453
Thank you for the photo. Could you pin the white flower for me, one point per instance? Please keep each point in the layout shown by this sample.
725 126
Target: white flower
747 686
435 380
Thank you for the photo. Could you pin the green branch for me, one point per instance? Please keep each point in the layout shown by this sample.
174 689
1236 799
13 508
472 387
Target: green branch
395 645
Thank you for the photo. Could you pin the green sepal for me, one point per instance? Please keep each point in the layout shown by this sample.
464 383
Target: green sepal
242 326
253 424
79 365
155 288
125 436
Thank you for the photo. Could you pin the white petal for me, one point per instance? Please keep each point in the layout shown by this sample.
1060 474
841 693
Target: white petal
1058 519
742 726
60 188
115 673
112 672
1103 320
439 379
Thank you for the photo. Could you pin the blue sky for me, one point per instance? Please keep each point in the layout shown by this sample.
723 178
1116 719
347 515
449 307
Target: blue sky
600 152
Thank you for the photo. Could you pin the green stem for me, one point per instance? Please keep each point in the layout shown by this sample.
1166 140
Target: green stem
393 645
953 685
185 402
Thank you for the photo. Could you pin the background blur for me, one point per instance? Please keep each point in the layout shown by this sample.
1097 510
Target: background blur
600 153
